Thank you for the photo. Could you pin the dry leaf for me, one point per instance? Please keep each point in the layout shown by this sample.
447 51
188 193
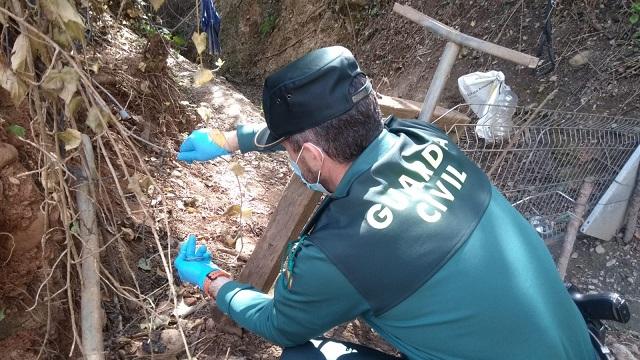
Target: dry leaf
19 53
205 113
134 186
71 138
63 82
236 168
219 64
96 119
234 210
10 82
217 137
128 234
66 14
156 4
200 40
73 106
202 76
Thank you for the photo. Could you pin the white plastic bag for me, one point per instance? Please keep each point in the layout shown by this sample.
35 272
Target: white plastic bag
492 101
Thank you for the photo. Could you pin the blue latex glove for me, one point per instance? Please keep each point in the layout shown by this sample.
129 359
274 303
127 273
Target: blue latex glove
194 265
200 146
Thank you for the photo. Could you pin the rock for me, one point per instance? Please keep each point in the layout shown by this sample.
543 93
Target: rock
574 255
8 154
580 58
622 352
611 262
600 249
166 346
190 301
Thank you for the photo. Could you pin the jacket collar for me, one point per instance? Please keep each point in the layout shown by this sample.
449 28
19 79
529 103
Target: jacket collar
378 147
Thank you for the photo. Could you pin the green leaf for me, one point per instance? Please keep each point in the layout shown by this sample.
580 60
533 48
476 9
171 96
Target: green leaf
16 130
634 18
1 314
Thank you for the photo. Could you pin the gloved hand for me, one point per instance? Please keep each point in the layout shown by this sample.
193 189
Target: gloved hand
200 146
194 265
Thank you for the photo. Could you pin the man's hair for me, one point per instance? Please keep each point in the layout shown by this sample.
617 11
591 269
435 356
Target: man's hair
345 137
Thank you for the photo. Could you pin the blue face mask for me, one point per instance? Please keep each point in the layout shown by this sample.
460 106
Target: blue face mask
315 186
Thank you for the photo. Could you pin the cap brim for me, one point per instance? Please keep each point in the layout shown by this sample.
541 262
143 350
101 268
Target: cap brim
265 139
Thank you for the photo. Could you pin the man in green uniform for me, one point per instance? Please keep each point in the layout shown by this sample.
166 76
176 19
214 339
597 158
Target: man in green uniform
411 236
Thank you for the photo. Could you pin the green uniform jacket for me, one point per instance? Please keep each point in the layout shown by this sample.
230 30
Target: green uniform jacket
490 290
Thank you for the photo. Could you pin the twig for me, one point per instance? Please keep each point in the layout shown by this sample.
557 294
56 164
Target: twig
574 224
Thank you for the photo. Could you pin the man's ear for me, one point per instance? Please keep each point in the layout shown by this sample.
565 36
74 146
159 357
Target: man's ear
313 155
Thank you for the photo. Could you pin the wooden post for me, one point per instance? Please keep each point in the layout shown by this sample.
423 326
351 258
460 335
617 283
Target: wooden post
90 308
440 77
574 225
286 222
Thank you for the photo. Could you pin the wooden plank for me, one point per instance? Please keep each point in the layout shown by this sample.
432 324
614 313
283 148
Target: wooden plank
408 109
459 38
286 222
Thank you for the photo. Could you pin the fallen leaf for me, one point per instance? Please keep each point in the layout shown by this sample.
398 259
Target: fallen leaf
95 68
144 86
205 113
200 40
217 137
156 4
1 314
234 210
236 168
128 234
144 264
14 181
96 119
202 76
63 82
19 53
133 185
71 138
10 82
219 63
157 322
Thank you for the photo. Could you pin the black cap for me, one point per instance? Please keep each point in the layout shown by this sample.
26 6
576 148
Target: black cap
309 92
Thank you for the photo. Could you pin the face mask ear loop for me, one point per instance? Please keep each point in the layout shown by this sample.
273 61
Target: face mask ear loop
321 162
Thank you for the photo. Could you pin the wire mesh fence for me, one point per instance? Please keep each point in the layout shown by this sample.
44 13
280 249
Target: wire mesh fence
542 162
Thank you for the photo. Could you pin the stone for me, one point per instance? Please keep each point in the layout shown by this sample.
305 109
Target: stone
600 249
580 58
611 262
574 255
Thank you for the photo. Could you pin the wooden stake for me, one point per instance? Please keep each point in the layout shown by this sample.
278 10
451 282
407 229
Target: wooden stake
574 225
90 308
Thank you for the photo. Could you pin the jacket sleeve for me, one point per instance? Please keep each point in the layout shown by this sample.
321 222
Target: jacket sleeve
246 135
319 298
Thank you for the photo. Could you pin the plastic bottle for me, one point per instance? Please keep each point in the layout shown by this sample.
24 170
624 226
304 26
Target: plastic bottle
501 113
